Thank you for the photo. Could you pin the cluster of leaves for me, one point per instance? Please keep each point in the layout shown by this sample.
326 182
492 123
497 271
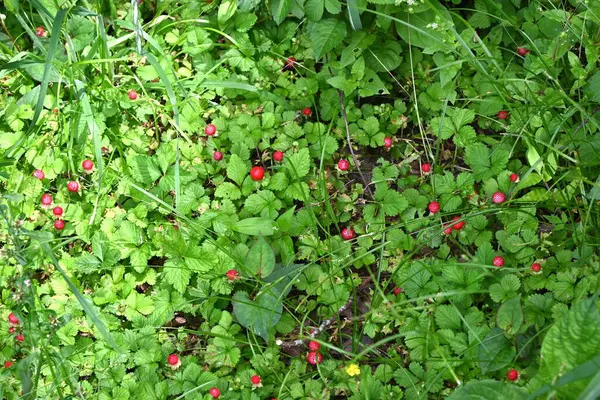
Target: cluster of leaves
169 249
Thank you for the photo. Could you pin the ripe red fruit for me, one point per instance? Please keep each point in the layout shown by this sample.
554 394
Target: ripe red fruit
314 358
306 112
59 224
426 168
38 173
289 63
88 165
397 290
278 156
522 51
343 165
434 207
502 115
257 173
40 31
58 211
514 178
214 392
210 130
255 380
498 261
8 364
348 233
498 197
173 359
11 330
46 199
12 318
512 374
218 156
20 337
448 230
387 142
536 267
459 225
73 186
314 346
132 94
232 274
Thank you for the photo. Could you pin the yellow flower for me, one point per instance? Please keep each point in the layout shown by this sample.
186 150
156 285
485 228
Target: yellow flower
352 370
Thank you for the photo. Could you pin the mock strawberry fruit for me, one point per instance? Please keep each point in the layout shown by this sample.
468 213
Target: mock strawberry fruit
314 358
11 330
8 364
12 319
387 142
46 199
343 165
210 130
512 374
498 198
314 345
457 226
434 207
306 112
214 393
58 211
72 186
232 274
40 32
59 224
536 267
257 173
217 156
348 233
289 64
498 261
174 361
255 380
38 173
278 156
132 94
522 51
514 178
448 230
20 338
88 165
397 290
426 168
502 115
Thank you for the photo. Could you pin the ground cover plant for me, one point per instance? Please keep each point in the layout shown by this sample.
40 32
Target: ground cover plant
299 199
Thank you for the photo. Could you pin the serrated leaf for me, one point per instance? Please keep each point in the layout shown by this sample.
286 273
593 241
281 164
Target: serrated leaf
280 9
237 170
325 35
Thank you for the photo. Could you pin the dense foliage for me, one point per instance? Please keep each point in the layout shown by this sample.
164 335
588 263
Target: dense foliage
300 199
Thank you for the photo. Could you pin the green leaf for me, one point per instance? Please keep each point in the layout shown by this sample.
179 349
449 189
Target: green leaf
254 226
325 35
280 9
227 10
298 164
177 274
261 259
314 9
510 315
494 352
237 170
263 202
485 164
260 314
489 390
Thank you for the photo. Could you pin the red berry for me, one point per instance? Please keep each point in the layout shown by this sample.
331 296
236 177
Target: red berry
536 267
255 380
59 224
20 337
12 318
306 112
11 330
343 165
88 165
314 346
434 207
502 115
397 290
257 173
387 142
210 130
173 359
73 186
426 168
459 225
218 156
512 374
8 364
498 261
514 178
132 94
448 230
522 51
38 173
232 274
105 150
46 199
289 63
348 233
40 31
314 358
214 392
278 156
58 211
498 197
